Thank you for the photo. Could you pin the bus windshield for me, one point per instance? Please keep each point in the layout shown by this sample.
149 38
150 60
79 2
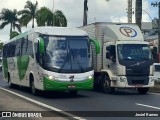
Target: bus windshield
134 52
67 54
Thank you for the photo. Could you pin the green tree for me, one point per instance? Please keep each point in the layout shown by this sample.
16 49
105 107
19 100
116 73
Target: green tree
10 17
28 13
13 34
44 16
1 45
59 19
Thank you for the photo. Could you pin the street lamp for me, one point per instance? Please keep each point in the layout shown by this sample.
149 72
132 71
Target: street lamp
157 4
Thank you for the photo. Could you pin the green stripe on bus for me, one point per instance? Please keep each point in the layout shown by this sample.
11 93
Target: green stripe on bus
5 67
50 85
22 64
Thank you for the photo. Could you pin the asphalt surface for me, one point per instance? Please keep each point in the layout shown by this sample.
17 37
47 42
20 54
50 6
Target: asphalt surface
94 103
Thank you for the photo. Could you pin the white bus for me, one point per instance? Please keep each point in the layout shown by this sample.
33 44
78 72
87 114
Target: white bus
49 59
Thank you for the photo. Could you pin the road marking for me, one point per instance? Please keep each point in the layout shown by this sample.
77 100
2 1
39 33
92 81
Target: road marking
154 93
44 105
148 106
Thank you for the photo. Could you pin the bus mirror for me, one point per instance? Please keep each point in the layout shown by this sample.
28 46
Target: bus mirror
41 46
96 43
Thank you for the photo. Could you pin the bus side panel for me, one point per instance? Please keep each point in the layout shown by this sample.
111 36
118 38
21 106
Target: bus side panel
38 76
5 69
22 64
12 62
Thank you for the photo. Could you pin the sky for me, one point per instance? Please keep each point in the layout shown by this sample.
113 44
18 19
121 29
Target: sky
98 11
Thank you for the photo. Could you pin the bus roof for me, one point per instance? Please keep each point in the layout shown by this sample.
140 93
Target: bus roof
57 31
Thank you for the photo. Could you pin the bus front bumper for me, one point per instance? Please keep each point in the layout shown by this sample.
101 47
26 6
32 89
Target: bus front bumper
50 85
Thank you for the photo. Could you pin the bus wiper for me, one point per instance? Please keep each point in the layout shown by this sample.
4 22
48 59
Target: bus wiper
63 64
77 61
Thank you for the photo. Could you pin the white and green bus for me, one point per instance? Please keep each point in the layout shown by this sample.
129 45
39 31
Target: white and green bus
49 59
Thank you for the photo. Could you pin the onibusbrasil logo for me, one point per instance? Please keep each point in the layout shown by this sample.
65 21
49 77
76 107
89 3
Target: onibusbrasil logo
128 32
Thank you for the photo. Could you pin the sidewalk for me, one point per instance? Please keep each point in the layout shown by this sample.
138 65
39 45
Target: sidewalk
10 102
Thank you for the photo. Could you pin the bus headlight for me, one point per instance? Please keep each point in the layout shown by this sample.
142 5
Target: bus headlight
90 77
50 77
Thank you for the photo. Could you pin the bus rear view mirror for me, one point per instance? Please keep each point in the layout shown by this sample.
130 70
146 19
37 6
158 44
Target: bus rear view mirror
96 43
41 45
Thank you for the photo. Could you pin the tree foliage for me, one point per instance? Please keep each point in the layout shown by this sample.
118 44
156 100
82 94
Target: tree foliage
28 13
59 19
10 17
1 45
44 16
13 34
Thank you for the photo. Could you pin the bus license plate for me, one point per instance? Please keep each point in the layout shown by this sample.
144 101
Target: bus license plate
71 86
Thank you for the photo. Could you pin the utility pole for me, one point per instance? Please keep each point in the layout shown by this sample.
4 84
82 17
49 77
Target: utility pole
129 11
85 15
138 13
157 4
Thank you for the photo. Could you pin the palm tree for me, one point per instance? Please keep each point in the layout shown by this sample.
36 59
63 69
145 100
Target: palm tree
1 46
138 12
10 17
13 34
59 19
44 16
28 13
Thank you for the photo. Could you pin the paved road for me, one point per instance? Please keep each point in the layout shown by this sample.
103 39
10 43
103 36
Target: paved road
122 100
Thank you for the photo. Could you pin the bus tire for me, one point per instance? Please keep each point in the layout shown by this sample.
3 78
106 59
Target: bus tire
10 84
73 92
34 91
106 85
143 90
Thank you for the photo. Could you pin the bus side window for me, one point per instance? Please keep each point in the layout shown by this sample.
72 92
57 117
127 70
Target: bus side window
12 48
18 48
30 46
5 51
36 51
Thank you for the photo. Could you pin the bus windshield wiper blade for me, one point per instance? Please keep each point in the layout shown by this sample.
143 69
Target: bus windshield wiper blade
63 64
77 61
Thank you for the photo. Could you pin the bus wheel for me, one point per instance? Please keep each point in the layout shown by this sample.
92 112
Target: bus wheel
33 89
106 85
73 92
143 90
